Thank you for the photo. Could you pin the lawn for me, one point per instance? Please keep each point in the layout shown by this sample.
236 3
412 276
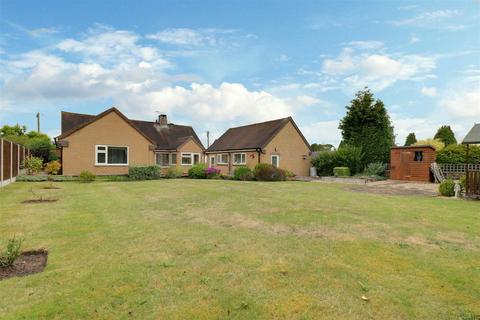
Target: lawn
207 249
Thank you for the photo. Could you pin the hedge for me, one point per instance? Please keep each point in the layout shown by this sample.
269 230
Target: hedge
144 173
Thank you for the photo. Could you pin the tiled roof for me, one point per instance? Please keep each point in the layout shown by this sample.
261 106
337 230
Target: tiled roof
166 137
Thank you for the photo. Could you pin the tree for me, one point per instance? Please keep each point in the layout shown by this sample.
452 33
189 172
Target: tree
322 147
446 135
367 125
436 143
39 143
411 139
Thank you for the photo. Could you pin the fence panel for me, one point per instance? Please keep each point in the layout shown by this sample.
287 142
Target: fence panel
473 183
11 159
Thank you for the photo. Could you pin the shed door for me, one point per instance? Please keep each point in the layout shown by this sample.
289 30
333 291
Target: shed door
406 160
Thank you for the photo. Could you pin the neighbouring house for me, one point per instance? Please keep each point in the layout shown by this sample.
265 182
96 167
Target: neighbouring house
412 163
108 143
278 142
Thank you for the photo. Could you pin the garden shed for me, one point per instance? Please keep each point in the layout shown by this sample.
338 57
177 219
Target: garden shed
412 163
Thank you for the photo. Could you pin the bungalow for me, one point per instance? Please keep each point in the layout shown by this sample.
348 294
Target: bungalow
107 143
278 142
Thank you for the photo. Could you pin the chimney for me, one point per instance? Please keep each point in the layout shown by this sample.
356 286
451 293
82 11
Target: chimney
162 119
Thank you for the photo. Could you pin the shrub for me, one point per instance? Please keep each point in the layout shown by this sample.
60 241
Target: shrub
198 171
243 173
212 173
267 172
325 161
40 147
174 172
27 178
457 153
11 253
351 157
436 143
446 188
33 164
345 156
375 169
53 167
86 176
341 172
144 173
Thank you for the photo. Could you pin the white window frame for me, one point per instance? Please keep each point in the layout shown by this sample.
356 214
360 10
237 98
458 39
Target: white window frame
191 156
106 146
170 156
219 158
278 160
242 154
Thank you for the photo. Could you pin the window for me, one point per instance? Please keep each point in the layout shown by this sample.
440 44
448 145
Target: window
111 155
166 159
222 158
239 158
190 158
275 160
418 156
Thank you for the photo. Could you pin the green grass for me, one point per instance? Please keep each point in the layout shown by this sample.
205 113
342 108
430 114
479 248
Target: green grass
193 249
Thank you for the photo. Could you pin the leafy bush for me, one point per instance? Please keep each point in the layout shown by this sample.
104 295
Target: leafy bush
446 188
53 167
86 176
11 253
457 153
33 164
345 156
243 173
212 173
40 147
198 171
351 157
325 161
144 173
436 143
289 174
267 172
52 156
341 172
174 172
375 169
28 178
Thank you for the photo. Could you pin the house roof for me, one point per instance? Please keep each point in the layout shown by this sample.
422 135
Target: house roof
473 136
164 137
252 136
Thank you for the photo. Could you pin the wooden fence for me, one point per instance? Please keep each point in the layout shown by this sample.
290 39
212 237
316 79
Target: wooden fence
11 159
472 183
455 171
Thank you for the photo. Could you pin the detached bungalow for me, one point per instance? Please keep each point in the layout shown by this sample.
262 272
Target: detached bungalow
107 143
278 142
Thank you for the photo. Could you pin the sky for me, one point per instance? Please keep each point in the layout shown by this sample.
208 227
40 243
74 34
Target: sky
218 64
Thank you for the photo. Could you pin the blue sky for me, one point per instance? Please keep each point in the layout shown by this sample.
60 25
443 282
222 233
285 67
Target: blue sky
216 64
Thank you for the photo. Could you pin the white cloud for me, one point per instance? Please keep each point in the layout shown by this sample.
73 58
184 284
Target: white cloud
191 37
366 45
414 39
323 132
426 18
463 104
43 31
429 91
359 68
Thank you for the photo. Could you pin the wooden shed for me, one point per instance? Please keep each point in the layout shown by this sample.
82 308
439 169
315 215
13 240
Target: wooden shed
412 163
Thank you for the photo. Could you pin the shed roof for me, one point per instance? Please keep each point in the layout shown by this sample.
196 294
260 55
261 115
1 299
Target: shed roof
473 136
414 147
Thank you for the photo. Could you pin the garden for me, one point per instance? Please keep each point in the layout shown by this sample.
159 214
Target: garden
210 248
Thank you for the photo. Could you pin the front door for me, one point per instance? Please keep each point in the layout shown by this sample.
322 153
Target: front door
212 161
